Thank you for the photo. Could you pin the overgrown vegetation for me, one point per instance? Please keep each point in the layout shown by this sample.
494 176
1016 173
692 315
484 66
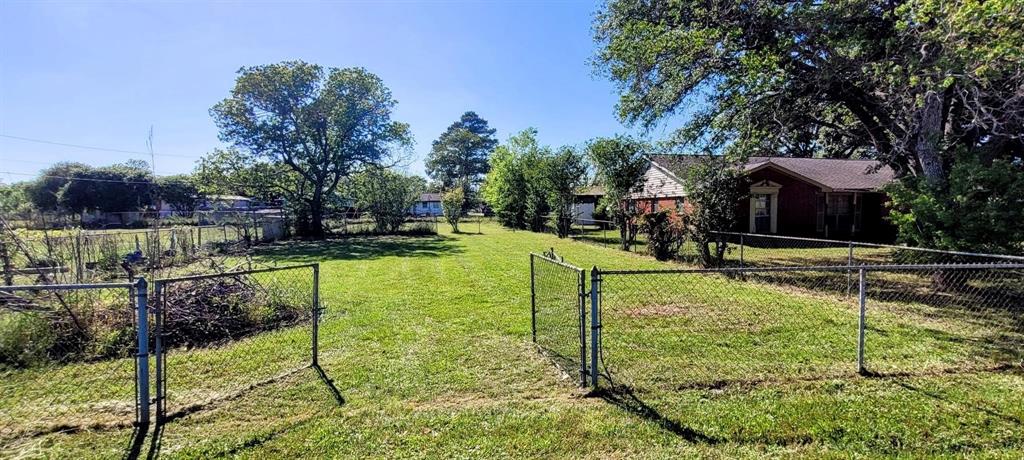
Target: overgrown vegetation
386 196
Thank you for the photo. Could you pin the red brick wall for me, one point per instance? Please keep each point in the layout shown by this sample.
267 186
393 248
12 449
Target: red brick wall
797 205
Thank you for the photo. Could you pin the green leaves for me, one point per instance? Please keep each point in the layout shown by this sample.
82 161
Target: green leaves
320 123
459 156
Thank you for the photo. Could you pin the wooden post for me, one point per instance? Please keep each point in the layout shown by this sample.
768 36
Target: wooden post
5 255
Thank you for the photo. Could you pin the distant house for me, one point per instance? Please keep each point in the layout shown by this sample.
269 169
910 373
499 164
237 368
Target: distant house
429 204
828 198
586 202
226 203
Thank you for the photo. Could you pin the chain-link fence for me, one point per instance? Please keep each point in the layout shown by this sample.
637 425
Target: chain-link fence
757 250
943 318
760 250
558 304
68 359
672 329
220 335
364 224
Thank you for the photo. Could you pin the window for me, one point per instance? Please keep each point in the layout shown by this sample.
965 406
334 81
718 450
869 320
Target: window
838 204
762 205
679 205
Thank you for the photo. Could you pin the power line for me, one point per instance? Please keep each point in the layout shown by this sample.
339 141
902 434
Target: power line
91 179
101 149
84 179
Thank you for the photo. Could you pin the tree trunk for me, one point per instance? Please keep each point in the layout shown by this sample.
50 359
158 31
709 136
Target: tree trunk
316 216
929 135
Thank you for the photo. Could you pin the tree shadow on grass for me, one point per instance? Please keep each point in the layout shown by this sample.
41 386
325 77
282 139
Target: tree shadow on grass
964 405
361 248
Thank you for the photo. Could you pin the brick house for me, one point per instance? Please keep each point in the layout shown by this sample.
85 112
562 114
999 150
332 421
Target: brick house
814 197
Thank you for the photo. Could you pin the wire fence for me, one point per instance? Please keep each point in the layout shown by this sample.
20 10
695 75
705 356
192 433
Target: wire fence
364 224
558 303
666 330
77 256
219 335
67 359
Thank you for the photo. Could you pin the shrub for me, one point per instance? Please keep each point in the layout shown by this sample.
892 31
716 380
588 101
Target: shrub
25 339
665 234
452 203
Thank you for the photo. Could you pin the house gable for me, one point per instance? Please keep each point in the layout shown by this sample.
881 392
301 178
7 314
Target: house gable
659 182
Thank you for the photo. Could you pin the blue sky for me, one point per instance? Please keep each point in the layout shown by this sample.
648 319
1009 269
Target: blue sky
101 73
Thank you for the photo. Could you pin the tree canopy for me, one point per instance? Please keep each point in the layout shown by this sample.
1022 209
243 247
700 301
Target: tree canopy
514 187
322 124
920 85
459 156
620 166
385 195
77 187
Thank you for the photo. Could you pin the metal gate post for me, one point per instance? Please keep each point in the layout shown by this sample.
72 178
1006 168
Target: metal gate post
142 356
316 314
861 369
581 275
533 301
595 324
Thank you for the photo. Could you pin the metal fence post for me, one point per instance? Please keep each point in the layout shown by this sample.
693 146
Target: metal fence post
581 275
595 323
861 369
741 252
849 273
8 267
533 301
142 356
316 314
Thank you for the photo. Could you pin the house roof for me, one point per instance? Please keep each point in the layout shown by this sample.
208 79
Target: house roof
828 173
430 197
836 174
593 190
228 198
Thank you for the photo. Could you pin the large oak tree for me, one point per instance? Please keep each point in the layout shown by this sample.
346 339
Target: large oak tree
932 88
321 123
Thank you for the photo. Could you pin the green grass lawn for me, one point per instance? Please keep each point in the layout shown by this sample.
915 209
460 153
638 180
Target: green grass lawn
426 341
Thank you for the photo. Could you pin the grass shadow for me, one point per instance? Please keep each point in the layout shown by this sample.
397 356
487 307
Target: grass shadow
625 399
361 248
